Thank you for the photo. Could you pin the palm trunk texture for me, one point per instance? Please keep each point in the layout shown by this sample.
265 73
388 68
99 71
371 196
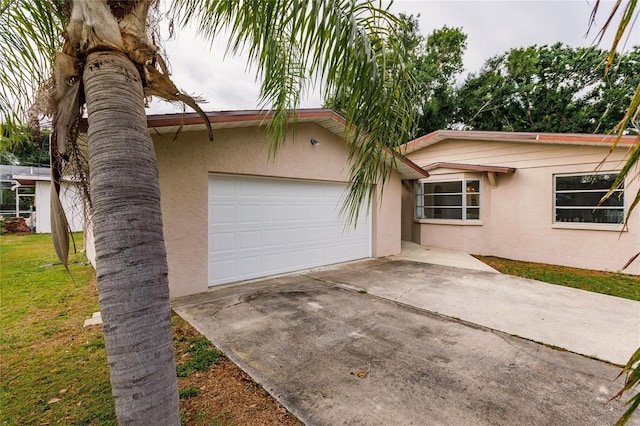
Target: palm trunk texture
131 261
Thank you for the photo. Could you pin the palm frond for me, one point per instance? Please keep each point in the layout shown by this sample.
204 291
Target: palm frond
632 380
30 34
340 44
625 20
632 368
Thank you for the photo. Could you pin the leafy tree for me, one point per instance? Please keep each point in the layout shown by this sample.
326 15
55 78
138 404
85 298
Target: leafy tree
434 61
435 72
29 151
103 56
549 89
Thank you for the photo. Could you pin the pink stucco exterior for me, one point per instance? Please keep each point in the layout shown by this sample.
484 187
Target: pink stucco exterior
517 213
186 163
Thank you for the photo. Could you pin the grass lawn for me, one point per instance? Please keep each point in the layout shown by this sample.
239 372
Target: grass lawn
613 284
54 371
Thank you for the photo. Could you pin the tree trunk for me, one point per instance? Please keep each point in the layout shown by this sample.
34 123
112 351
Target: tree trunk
131 261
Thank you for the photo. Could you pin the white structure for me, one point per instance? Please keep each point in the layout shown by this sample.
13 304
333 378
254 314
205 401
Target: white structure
26 192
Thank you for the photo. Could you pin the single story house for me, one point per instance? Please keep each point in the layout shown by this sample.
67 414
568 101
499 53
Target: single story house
233 213
523 196
26 192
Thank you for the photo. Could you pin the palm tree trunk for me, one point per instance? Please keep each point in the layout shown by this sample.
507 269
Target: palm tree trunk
130 252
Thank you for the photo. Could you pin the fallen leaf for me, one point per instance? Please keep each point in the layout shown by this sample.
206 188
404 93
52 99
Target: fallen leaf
53 400
360 373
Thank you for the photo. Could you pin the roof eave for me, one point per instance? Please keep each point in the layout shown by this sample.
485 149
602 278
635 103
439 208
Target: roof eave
327 118
517 137
470 167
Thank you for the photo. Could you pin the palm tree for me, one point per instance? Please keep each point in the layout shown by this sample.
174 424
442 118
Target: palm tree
62 58
627 21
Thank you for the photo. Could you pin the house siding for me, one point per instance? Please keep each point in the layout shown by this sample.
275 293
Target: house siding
184 167
517 215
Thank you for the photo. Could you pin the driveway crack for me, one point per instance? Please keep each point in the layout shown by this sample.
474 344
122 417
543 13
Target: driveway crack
397 299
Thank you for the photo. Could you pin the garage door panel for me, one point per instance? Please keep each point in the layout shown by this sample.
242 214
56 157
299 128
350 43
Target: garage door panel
251 240
224 242
225 269
265 226
224 214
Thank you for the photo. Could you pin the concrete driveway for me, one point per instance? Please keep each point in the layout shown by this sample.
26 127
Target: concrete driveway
385 341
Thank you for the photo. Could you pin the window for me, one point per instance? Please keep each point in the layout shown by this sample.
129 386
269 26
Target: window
577 198
7 198
450 200
25 196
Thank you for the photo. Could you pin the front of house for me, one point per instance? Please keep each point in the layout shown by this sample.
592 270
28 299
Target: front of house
233 213
523 196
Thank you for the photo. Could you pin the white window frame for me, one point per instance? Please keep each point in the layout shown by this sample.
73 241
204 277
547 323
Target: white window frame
419 201
587 225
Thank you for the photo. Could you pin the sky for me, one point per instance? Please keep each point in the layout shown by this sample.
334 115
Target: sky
492 27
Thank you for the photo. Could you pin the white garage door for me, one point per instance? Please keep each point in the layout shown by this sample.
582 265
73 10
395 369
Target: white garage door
263 226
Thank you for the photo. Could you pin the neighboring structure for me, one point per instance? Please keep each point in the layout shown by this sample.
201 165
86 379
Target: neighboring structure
232 213
26 192
523 196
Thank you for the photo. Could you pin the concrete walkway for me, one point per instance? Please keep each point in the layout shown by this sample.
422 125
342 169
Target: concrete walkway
439 256
366 343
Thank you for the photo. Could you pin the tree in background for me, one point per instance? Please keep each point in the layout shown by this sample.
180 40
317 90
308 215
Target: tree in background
29 151
549 89
102 57
435 62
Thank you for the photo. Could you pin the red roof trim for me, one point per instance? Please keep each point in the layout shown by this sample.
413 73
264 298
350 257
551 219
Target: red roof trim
192 118
518 137
409 163
470 167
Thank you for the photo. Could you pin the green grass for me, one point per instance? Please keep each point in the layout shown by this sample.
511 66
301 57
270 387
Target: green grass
613 284
201 356
188 393
52 370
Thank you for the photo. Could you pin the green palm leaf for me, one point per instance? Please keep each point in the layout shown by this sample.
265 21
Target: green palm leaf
335 43
31 32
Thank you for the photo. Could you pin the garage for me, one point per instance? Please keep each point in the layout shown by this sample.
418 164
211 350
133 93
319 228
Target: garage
259 226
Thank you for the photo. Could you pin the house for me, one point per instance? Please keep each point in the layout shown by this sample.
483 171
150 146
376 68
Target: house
231 212
523 196
26 192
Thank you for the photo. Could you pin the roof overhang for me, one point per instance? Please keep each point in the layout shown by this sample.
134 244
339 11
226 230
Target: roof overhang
30 180
326 118
470 168
517 137
192 122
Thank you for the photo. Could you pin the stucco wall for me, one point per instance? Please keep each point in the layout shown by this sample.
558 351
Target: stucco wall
185 164
71 200
517 215
387 216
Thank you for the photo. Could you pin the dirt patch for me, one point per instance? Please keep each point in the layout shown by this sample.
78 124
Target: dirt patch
16 225
223 394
